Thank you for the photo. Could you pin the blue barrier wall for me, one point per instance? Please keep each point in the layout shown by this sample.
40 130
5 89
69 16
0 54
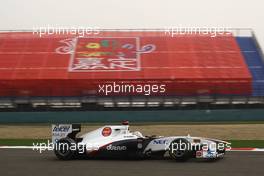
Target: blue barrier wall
134 116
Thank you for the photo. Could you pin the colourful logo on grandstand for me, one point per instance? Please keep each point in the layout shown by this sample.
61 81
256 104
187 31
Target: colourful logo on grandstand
104 54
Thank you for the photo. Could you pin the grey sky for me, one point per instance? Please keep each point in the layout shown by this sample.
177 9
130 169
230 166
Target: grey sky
24 14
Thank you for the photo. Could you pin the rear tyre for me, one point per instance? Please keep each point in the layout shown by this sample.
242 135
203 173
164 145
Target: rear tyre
180 150
65 149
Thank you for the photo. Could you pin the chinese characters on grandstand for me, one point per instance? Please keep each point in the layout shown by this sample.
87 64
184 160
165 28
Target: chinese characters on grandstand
104 53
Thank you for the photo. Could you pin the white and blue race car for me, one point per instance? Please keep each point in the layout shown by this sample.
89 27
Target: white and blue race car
117 141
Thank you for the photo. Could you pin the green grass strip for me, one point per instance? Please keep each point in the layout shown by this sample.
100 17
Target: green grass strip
247 143
21 142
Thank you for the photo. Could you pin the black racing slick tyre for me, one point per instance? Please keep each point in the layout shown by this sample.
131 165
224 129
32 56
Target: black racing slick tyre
65 149
180 150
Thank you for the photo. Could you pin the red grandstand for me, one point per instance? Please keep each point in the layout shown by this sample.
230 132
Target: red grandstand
66 65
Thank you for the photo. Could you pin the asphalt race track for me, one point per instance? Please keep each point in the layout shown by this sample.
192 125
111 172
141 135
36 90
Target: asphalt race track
25 162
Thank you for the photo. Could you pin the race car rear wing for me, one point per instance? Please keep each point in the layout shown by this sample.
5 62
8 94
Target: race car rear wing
64 130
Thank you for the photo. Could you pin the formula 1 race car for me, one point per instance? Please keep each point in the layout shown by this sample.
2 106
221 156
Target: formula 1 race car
118 141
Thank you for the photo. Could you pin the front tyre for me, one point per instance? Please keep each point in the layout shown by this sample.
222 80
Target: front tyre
65 149
180 150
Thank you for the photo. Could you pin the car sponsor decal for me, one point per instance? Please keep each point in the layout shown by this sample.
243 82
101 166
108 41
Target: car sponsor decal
60 131
61 128
160 141
199 154
106 131
116 147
